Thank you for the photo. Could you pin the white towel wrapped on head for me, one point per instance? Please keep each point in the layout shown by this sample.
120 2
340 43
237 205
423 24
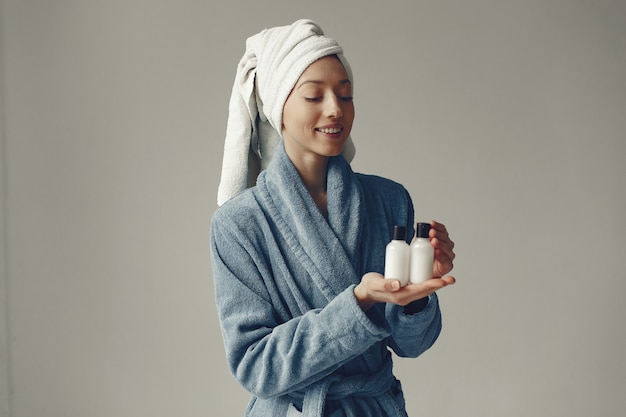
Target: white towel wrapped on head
273 61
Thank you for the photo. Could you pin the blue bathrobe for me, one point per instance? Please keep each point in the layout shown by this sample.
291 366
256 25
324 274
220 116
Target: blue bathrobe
294 334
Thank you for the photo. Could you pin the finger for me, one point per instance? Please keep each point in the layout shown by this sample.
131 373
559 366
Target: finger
444 248
439 227
435 284
441 242
440 232
443 261
448 280
391 285
414 292
373 280
378 283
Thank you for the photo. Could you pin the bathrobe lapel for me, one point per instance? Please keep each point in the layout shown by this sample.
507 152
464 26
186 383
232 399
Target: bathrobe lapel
327 250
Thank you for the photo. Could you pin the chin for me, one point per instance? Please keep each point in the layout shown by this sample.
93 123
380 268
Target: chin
332 152
334 149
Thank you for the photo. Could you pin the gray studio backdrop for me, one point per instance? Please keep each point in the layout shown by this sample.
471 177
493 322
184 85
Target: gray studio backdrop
504 119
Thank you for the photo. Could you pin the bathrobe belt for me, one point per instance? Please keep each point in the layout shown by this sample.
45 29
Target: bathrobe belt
335 387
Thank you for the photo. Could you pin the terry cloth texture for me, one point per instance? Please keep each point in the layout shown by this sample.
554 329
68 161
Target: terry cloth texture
272 63
295 337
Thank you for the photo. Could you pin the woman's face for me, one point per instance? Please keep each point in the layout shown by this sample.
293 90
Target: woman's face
318 114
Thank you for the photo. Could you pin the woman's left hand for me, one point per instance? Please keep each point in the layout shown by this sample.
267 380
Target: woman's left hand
444 249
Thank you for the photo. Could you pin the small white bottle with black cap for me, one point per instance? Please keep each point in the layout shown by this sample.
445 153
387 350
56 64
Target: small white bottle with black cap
397 256
422 255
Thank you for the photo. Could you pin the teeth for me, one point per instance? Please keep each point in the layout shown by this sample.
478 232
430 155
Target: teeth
330 130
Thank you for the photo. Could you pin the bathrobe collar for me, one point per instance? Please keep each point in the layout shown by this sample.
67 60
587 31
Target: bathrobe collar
330 249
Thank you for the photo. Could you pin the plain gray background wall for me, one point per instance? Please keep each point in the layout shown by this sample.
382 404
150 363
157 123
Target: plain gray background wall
504 119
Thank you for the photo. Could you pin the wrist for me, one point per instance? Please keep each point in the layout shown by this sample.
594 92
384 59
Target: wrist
416 306
362 298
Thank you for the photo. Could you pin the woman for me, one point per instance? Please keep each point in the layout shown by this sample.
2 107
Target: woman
306 316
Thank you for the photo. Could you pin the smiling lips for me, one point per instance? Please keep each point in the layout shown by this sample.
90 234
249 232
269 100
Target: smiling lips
330 130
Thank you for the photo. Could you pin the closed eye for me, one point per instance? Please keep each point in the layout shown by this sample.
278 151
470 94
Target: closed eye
316 99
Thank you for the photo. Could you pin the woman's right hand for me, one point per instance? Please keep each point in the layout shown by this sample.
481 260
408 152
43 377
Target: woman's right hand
374 288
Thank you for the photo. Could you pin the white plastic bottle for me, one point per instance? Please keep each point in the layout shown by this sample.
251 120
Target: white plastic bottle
422 255
397 256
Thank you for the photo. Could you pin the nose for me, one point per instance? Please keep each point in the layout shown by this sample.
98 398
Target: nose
332 107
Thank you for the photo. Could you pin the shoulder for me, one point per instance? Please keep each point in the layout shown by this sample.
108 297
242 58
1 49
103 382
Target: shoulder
382 186
387 198
244 202
239 216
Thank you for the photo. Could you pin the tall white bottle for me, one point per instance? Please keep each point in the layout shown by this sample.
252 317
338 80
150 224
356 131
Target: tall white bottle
422 255
397 256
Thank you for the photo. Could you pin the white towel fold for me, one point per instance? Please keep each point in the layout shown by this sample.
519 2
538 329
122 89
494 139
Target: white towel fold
273 61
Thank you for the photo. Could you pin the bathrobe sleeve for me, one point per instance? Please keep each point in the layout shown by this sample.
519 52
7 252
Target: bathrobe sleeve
413 334
268 351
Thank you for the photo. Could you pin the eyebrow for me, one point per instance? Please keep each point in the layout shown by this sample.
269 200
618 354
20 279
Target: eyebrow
318 82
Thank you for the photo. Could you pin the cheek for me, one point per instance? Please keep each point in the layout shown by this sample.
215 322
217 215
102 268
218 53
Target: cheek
349 113
293 116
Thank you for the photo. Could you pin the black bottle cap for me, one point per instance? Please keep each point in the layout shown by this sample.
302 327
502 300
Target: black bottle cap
399 233
422 230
